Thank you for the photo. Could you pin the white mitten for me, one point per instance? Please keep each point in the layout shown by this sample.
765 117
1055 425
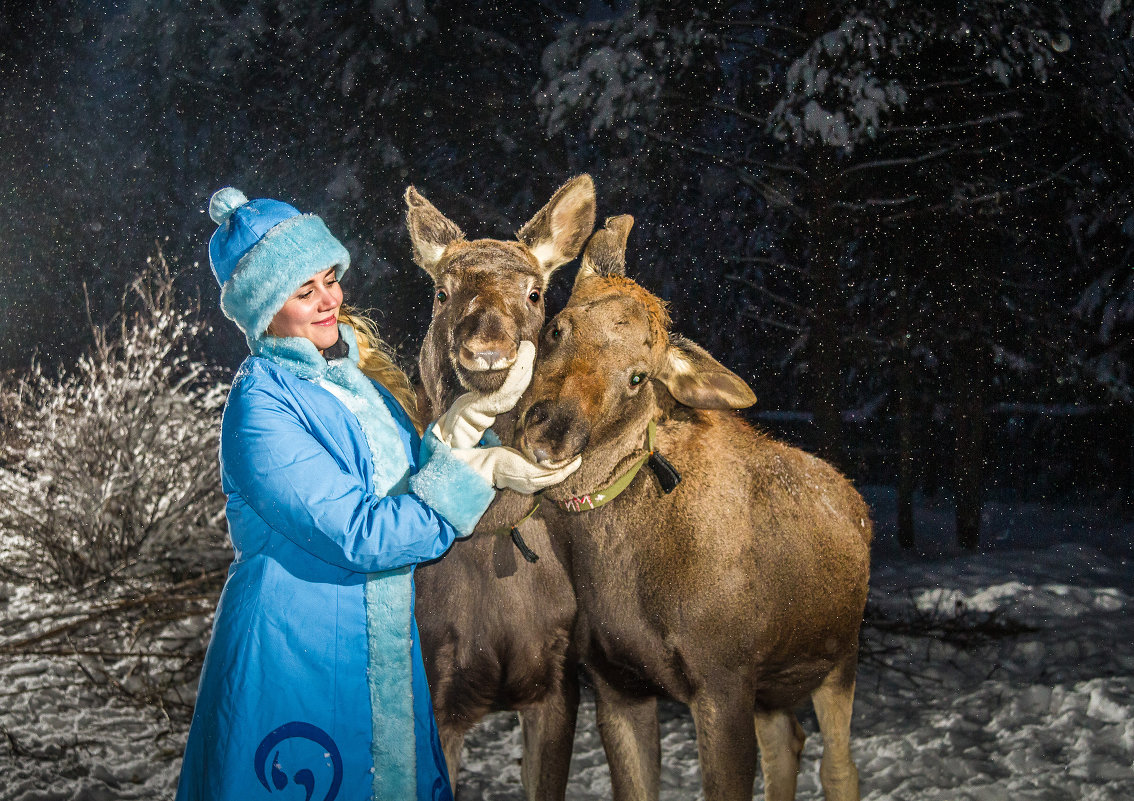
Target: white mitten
465 422
506 468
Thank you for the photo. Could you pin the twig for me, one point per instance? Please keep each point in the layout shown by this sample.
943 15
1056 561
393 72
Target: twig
99 654
101 612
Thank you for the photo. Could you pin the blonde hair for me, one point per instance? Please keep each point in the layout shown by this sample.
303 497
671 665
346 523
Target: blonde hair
376 360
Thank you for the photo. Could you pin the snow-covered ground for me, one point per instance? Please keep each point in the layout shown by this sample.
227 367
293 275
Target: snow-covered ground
1033 699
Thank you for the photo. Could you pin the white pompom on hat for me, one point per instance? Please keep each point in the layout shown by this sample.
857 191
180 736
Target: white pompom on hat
224 202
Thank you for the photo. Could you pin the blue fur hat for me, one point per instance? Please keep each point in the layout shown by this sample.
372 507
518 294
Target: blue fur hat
262 252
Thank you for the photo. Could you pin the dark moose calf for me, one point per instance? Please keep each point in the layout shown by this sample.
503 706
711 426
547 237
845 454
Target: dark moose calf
738 593
495 629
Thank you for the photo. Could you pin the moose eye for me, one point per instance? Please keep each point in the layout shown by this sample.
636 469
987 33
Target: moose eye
555 333
533 296
637 379
442 296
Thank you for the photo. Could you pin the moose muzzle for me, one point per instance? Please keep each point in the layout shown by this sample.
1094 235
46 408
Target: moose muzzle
554 432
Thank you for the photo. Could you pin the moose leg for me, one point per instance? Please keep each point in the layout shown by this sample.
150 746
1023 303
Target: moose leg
452 741
726 743
630 736
833 702
781 739
549 735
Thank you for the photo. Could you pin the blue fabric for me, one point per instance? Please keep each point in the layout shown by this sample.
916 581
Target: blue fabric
489 439
357 392
242 229
286 707
449 485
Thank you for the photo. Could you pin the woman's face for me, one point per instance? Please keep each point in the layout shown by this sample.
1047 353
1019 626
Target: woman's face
312 311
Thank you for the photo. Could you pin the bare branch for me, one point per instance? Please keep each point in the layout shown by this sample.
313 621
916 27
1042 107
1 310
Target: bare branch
953 126
800 310
754 315
901 162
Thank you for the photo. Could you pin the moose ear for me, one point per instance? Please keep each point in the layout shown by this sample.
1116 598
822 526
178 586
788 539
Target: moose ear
556 234
606 251
430 231
696 379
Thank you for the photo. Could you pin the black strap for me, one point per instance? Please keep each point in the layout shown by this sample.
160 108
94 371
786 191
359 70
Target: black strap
666 473
522 546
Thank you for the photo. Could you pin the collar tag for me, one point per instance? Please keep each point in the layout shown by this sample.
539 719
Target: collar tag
581 503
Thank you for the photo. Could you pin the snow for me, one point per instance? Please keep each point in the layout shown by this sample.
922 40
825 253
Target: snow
1040 708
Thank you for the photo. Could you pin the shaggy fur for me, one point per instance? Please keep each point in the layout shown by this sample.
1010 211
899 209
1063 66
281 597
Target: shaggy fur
739 593
449 485
389 609
495 628
557 231
430 231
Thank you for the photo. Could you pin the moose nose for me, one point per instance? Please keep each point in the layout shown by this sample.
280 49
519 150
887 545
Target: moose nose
554 431
538 414
541 454
490 359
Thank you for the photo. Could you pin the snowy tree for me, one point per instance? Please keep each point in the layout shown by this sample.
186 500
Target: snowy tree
906 122
621 89
337 107
880 159
1101 215
838 181
130 115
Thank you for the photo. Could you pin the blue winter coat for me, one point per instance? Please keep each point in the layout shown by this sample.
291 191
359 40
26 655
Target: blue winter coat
313 686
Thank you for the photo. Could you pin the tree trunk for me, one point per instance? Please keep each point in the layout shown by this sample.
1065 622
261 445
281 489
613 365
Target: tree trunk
905 448
824 239
970 372
905 386
1124 461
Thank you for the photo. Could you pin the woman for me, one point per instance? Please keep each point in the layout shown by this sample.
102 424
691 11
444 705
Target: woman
313 686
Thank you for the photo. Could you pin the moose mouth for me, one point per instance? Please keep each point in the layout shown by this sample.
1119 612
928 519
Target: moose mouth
484 363
551 464
478 374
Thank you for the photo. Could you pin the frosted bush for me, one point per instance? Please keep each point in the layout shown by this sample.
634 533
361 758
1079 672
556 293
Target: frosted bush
110 469
610 74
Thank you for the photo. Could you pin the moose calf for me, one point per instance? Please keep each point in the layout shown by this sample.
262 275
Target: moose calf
740 592
495 628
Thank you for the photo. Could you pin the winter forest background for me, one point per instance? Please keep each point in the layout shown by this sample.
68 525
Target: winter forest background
909 226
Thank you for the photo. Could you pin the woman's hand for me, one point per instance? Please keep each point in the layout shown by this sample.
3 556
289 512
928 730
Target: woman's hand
506 468
465 422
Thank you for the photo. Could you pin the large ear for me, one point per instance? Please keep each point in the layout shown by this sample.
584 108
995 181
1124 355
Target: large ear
430 231
696 379
606 251
556 234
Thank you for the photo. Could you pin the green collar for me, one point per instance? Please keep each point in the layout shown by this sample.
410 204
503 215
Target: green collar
601 497
667 476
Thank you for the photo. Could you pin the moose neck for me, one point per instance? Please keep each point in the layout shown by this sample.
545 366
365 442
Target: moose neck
440 385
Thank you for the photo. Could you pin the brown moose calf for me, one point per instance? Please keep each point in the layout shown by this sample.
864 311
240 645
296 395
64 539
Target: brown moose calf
740 592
